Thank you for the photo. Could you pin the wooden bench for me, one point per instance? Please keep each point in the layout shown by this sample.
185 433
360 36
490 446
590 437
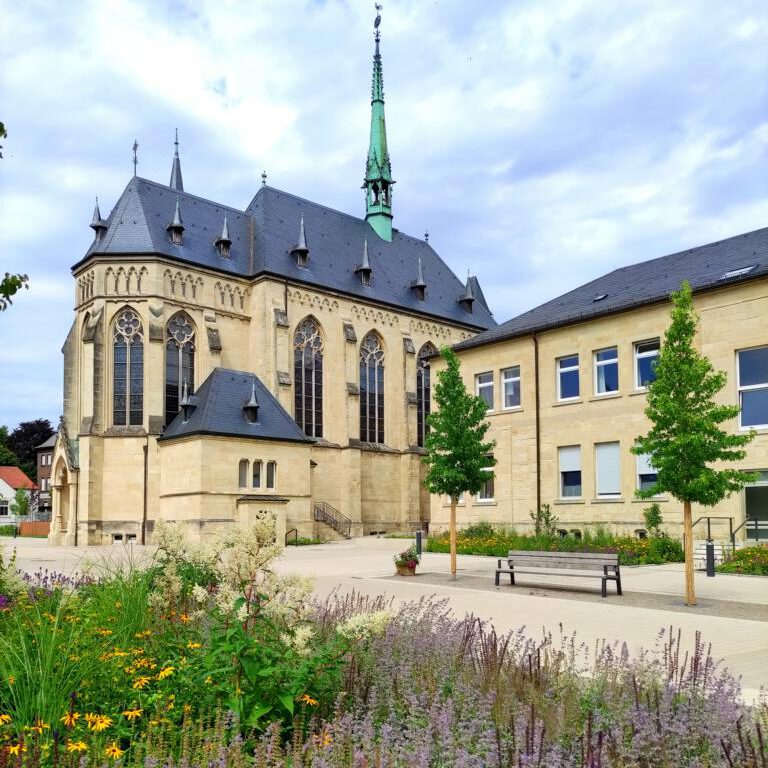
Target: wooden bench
595 564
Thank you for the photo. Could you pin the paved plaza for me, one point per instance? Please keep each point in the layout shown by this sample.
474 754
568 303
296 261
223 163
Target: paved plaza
732 613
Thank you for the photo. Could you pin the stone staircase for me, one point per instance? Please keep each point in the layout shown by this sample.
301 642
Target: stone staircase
330 516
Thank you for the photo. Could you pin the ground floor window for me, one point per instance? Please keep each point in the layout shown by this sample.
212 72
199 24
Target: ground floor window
487 490
570 471
3 508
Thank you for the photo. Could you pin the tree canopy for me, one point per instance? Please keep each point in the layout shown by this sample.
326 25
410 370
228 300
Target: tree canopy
24 440
457 457
686 439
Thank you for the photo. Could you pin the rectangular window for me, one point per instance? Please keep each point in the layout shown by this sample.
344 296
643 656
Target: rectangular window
570 471
608 469
646 356
646 474
242 473
510 382
568 377
257 474
606 371
487 491
753 387
3 508
271 472
484 388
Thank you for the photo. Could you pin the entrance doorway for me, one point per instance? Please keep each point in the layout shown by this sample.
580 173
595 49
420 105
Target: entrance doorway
756 508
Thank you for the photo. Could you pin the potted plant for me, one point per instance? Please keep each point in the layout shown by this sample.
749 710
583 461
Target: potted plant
406 561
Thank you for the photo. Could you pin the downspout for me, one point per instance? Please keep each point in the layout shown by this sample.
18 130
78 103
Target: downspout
146 481
77 504
538 419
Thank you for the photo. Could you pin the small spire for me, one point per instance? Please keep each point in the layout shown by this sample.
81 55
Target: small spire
469 294
135 155
300 250
263 178
176 181
98 225
223 242
364 269
251 408
188 404
418 286
176 227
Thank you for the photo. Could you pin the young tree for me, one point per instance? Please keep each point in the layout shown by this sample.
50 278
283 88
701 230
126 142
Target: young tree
457 459
20 503
685 438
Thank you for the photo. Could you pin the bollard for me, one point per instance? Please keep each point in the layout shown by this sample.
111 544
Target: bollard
418 543
710 557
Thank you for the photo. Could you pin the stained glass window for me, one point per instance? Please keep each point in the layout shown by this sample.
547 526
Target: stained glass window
128 370
179 362
308 378
372 389
423 391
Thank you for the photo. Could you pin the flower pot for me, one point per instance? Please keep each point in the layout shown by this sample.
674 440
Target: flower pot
406 570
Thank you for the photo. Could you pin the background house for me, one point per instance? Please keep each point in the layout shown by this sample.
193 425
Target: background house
11 480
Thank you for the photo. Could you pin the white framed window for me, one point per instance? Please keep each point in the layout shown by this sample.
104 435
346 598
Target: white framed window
510 386
569 460
484 388
486 492
753 387
568 377
256 475
646 474
242 473
607 469
646 356
271 474
606 371
3 508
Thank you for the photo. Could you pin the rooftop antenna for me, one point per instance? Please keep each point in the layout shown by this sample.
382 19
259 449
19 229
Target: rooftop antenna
135 155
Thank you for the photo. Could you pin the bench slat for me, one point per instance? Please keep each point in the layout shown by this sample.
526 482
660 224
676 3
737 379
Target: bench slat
556 572
578 565
609 556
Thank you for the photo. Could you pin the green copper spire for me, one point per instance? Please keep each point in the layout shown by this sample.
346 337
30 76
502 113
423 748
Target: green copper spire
378 171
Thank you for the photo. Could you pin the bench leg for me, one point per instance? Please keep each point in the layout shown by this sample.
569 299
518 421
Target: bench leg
605 581
497 578
512 578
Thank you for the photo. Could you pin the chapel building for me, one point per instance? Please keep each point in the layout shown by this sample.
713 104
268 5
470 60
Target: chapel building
224 363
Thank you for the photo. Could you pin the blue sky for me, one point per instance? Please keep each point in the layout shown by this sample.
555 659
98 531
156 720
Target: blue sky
541 142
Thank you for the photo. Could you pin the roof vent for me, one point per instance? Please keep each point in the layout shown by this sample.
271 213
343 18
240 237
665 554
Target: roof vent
418 286
738 272
364 269
223 242
251 408
468 298
176 227
300 251
600 297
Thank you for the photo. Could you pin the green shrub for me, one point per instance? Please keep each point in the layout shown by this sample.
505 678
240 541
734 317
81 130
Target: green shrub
7 530
544 521
653 519
477 530
749 560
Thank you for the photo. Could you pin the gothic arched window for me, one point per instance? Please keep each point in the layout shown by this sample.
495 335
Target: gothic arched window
423 391
179 362
128 370
308 377
372 389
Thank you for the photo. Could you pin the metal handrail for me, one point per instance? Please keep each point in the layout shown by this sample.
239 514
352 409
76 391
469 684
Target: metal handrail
325 513
757 525
295 533
709 519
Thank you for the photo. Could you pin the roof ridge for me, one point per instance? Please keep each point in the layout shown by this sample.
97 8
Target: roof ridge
183 193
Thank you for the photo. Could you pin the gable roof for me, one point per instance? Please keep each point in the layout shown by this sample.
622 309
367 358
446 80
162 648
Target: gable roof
705 267
263 236
49 443
219 411
14 477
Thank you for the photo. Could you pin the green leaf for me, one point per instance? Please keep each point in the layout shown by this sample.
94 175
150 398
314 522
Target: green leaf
287 701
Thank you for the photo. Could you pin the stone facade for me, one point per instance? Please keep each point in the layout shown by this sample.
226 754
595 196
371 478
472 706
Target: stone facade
110 482
731 319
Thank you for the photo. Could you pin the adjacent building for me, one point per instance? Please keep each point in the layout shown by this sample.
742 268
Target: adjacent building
44 467
226 362
566 385
13 479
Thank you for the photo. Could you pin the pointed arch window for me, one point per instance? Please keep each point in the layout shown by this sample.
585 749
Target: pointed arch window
179 362
128 370
423 391
372 389
308 378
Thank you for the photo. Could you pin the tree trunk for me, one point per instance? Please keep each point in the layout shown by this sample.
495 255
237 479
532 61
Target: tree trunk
690 594
452 528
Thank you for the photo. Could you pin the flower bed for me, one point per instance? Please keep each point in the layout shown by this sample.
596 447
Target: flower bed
485 540
211 660
749 560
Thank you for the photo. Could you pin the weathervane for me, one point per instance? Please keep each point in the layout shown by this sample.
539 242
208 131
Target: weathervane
263 178
426 235
135 157
376 23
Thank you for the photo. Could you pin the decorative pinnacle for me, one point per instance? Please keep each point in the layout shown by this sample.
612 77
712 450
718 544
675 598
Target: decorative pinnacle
224 236
185 394
302 244
135 155
176 143
366 263
176 181
253 401
96 220
426 235
420 276
263 178
469 294
177 215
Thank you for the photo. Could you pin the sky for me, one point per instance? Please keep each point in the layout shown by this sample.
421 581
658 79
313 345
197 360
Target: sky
541 142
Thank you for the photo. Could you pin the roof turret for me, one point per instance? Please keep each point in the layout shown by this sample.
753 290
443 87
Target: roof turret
176 227
419 286
364 269
223 242
300 251
98 225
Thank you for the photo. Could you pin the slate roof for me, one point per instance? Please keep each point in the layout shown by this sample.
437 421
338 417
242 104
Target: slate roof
219 411
49 443
263 236
16 478
704 267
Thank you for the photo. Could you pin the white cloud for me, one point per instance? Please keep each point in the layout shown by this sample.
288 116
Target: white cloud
572 132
